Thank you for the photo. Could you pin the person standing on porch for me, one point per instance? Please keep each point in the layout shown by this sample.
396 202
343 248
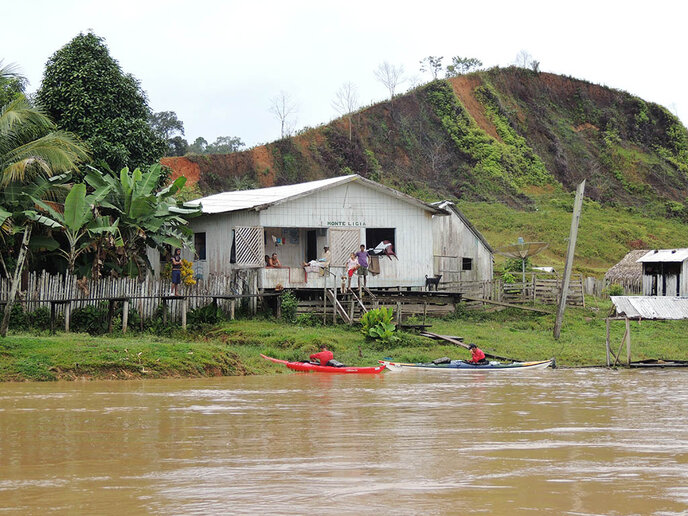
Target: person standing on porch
176 271
362 270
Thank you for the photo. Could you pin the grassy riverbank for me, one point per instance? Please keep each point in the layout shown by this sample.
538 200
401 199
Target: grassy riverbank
232 347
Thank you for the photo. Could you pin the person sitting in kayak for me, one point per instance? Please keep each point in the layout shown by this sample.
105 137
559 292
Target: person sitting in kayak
323 357
477 355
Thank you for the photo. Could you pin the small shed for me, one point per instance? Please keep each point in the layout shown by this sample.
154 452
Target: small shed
628 272
665 272
461 252
237 229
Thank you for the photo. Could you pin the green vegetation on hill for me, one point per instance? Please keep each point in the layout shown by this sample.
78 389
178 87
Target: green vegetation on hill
514 139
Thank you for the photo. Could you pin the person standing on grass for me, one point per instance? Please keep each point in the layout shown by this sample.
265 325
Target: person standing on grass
362 270
176 271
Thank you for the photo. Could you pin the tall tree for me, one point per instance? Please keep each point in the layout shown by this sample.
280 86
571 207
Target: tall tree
390 76
32 154
85 91
346 102
461 65
284 107
12 83
432 64
166 124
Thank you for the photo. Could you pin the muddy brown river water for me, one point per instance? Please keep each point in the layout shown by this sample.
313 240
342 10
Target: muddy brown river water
413 442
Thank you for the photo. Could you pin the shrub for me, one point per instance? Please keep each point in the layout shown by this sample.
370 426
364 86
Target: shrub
614 290
378 325
91 319
289 304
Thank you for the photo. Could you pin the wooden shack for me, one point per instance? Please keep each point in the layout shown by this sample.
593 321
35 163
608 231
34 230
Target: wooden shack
665 272
238 229
461 252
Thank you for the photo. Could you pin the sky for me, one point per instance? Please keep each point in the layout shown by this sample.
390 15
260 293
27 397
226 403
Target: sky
219 64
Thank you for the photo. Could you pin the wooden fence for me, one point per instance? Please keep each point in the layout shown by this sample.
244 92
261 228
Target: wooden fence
42 287
597 287
539 287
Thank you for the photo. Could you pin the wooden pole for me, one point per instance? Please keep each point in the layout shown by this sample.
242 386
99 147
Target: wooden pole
125 315
577 208
608 343
52 317
628 342
232 305
111 313
68 313
185 306
398 313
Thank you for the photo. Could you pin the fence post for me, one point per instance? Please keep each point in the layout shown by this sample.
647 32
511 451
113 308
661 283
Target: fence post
185 305
125 315
68 313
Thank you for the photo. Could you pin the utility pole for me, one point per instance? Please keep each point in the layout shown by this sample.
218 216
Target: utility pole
577 208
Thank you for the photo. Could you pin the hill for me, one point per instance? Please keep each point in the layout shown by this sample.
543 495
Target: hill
509 137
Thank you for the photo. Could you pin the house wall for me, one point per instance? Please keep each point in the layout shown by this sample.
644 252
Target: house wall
350 205
667 284
453 241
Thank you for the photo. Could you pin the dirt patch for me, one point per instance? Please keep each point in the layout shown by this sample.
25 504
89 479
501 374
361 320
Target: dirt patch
463 87
585 127
182 167
264 165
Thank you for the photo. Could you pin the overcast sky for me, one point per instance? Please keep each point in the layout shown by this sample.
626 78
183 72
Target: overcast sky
218 64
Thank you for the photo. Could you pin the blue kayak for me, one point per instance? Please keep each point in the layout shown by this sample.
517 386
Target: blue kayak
461 365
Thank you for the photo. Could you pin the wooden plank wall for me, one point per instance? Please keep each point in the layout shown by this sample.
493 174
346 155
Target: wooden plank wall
43 286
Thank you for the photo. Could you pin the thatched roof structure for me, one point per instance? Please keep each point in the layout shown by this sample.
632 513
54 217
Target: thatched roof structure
627 270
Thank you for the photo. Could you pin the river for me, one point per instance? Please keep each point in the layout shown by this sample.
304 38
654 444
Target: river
414 442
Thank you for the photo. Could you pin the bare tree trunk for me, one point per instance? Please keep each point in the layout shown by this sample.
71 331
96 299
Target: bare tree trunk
23 250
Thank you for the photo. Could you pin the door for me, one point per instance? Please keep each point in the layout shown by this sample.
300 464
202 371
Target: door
311 245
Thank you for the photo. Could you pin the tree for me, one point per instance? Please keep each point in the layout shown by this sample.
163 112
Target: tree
198 146
432 64
461 65
12 83
85 91
79 221
224 145
283 107
177 146
346 102
166 123
390 76
523 59
147 218
32 155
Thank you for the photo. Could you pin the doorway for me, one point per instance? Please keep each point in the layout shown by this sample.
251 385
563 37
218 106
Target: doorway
311 245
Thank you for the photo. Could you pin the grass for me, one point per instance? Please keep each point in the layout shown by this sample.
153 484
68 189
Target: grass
605 234
233 347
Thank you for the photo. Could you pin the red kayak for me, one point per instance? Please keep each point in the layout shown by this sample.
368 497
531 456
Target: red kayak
307 366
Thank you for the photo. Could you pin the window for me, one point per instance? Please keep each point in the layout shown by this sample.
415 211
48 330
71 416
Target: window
376 235
199 244
467 264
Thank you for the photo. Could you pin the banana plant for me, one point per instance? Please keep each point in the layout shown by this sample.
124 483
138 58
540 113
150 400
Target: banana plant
146 218
80 221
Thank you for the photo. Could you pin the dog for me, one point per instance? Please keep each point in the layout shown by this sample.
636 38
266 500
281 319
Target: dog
429 282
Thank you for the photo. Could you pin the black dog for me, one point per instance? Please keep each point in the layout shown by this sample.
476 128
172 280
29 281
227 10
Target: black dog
429 282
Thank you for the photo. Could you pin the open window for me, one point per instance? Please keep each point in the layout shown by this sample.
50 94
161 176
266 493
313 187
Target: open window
199 244
467 264
374 236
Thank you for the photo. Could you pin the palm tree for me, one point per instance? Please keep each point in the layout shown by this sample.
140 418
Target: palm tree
33 155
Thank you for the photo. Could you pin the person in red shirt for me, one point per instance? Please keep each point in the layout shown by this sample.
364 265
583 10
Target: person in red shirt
323 357
477 355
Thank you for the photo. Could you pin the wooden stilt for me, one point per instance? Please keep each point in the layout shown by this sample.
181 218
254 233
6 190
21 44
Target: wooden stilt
628 342
607 344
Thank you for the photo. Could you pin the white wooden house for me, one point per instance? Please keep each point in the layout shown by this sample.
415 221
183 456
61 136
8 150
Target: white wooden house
238 229
461 252
665 272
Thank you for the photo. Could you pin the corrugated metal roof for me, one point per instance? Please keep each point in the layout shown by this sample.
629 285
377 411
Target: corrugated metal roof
262 198
665 255
651 307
